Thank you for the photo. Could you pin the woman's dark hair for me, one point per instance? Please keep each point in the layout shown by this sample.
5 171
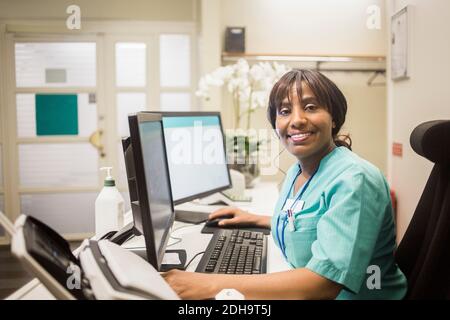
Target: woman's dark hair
325 91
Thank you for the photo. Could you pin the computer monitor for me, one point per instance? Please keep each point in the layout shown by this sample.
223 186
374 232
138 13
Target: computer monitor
196 154
149 184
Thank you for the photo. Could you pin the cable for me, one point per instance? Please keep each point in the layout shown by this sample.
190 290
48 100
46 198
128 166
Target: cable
278 156
185 226
178 240
187 265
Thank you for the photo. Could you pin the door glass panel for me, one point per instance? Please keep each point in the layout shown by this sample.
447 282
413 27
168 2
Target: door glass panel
130 64
175 101
68 64
128 103
26 115
87 115
58 165
175 58
64 212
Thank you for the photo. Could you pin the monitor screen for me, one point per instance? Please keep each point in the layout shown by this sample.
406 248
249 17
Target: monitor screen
196 154
152 205
158 185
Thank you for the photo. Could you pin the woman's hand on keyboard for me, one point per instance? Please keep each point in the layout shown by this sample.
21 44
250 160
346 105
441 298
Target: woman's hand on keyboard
233 216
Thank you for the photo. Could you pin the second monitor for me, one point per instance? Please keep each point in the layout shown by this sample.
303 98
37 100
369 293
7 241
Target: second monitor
196 154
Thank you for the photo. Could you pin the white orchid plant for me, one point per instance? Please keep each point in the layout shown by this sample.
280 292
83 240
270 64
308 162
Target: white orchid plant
249 86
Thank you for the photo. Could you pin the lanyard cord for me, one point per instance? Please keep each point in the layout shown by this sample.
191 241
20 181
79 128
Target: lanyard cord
305 186
281 241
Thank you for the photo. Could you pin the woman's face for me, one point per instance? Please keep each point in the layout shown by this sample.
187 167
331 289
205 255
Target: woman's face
303 125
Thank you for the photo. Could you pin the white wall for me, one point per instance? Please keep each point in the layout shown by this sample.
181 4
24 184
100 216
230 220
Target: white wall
366 116
306 27
425 96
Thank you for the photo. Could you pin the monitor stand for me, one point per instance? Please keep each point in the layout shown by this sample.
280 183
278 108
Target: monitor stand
171 262
215 199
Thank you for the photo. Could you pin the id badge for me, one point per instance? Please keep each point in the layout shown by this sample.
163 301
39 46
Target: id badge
297 208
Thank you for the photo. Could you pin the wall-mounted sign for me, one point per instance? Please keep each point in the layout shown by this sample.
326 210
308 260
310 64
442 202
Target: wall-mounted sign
56 114
397 149
400 44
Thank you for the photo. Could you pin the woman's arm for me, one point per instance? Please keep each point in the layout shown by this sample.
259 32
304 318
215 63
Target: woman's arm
292 284
240 217
262 221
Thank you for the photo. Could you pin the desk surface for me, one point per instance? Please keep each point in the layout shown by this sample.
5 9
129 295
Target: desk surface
264 197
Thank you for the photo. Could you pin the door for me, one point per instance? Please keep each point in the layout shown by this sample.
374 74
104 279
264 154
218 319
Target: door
56 115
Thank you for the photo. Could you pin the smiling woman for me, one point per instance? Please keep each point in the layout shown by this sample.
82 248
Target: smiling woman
320 99
333 220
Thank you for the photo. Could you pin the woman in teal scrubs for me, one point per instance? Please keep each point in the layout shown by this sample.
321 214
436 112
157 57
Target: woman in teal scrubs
333 221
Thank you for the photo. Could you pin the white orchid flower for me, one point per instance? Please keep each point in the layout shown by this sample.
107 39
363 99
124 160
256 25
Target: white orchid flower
256 73
259 99
242 68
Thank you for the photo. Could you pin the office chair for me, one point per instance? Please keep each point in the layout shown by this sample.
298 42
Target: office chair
424 252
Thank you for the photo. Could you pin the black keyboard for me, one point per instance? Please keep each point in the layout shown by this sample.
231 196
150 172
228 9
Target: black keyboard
234 251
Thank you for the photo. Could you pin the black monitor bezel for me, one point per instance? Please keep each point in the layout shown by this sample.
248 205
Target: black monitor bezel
194 114
154 256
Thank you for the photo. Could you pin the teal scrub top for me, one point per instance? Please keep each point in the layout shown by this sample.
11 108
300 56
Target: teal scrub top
345 231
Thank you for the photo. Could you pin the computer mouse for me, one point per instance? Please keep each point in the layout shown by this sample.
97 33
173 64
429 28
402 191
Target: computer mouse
214 223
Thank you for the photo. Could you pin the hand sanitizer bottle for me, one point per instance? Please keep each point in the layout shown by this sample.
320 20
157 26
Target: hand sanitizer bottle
109 207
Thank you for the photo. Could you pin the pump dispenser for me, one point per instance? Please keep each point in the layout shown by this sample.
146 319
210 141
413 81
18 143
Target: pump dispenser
109 180
109 207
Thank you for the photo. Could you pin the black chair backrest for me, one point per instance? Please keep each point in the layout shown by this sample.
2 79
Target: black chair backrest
424 252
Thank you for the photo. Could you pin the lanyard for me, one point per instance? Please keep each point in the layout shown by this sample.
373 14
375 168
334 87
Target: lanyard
305 186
